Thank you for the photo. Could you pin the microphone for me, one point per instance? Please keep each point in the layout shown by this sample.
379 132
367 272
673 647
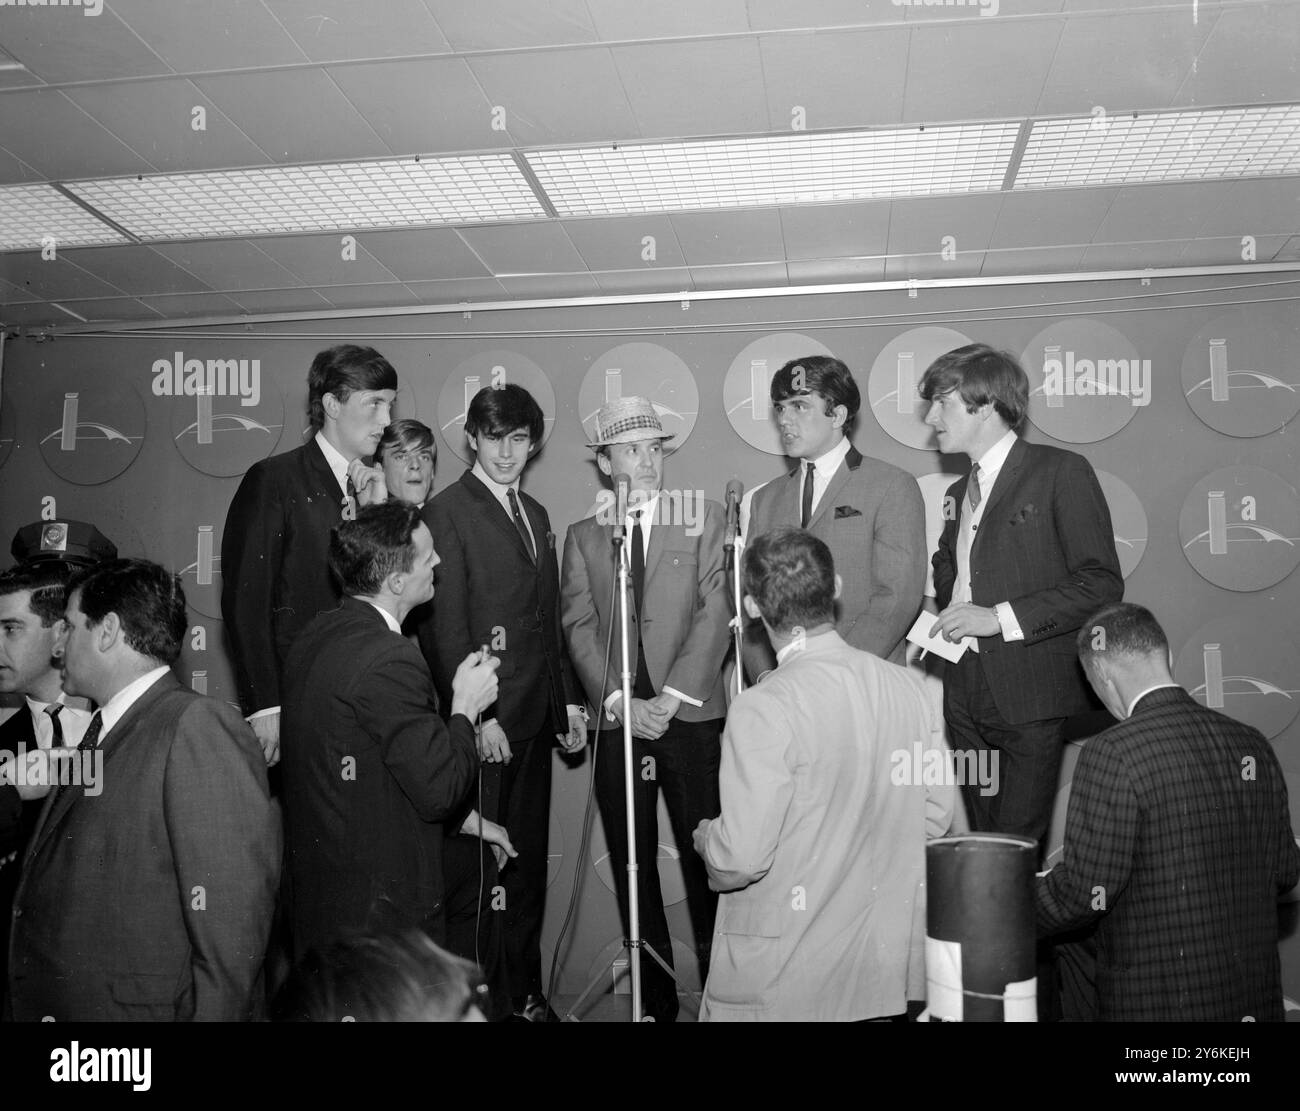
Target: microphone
735 491
622 488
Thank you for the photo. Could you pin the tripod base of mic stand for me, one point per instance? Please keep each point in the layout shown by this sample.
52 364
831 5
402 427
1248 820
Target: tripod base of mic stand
571 1015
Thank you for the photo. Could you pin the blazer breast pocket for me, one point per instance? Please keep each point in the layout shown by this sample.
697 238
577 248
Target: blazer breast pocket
843 511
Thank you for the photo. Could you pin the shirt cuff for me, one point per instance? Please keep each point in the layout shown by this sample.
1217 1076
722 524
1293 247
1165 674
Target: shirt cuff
609 705
263 713
571 709
1007 619
682 697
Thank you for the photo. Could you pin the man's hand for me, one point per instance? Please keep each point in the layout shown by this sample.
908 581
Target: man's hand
665 706
492 834
700 835
966 620
474 686
267 730
493 746
577 734
371 487
647 723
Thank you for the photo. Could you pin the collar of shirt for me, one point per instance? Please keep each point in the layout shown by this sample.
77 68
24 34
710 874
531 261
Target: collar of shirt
802 644
1128 713
112 710
334 457
990 463
829 463
389 619
498 491
75 722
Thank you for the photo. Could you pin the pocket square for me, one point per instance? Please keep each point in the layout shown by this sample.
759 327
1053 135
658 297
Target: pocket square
1023 514
846 511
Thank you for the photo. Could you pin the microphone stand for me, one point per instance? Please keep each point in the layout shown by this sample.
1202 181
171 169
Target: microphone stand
738 623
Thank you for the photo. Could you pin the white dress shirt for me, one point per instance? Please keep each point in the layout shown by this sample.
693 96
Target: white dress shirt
72 721
826 465
113 710
337 464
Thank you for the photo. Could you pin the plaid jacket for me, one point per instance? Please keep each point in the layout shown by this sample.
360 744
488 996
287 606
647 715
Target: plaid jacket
1178 842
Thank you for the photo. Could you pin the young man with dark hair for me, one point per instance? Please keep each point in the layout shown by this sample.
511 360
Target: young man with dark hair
869 513
1178 844
498 586
148 886
820 848
407 455
1027 552
371 772
275 577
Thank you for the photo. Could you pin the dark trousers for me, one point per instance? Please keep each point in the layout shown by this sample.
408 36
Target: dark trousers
518 796
474 929
1028 756
685 764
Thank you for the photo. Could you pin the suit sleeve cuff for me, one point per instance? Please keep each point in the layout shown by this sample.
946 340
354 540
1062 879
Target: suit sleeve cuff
263 713
683 697
610 703
1007 620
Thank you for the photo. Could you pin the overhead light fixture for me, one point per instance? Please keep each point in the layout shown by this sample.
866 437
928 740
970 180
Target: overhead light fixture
773 170
466 189
1143 148
34 216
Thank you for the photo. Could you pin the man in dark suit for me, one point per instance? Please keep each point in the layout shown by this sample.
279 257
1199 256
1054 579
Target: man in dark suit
1027 552
1178 843
869 513
274 570
681 611
148 886
371 773
498 586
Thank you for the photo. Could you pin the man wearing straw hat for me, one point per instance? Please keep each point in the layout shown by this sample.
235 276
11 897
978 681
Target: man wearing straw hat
679 613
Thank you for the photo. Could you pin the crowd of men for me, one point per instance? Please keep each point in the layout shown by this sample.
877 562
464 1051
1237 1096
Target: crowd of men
407 664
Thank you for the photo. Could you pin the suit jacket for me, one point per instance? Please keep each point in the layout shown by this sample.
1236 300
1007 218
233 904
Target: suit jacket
370 773
686 607
153 899
820 849
275 564
17 821
1046 545
490 592
1178 842
873 520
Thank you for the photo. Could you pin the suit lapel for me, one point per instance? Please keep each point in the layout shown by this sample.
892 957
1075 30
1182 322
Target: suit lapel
495 513
322 477
839 480
1008 476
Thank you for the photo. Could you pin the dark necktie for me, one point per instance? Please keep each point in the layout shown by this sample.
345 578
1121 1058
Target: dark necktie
973 488
522 528
806 512
642 688
88 744
54 709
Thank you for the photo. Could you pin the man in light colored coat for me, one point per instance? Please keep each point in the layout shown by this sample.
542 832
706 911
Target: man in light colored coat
820 847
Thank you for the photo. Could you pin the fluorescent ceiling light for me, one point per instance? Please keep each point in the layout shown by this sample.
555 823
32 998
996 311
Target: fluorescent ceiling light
1166 146
31 213
467 189
771 170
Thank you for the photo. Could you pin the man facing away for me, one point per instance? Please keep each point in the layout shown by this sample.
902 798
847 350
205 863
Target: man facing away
820 848
274 567
869 513
148 886
1178 843
680 611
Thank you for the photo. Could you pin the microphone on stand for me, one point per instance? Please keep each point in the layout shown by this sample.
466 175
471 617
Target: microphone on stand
735 491
622 489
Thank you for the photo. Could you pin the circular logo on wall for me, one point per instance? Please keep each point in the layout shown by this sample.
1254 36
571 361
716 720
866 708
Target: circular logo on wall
8 430
90 431
490 368
1240 528
642 370
1245 667
223 421
191 547
1240 373
204 666
1127 518
891 387
746 389
1086 380
668 858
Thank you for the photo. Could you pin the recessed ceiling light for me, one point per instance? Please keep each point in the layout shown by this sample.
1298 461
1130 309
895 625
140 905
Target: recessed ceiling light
31 214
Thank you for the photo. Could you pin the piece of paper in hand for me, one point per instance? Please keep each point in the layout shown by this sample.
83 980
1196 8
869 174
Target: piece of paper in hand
920 634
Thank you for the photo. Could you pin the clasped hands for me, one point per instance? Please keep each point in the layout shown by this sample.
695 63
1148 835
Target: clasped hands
650 716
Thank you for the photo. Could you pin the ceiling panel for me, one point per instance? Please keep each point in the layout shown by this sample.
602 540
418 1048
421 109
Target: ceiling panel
507 24
200 37
823 231
829 271
57 139
330 30
34 314
919 11
1142 213
155 118
295 115
622 242
1123 62
368 296
11 293
52 279
71 45
667 280
635 19
524 249
977 70
424 255
176 305
1044 260
739 277
319 259
14 171
1054 216
229 264
280 300
1257 208
1232 67
135 269
719 238
966 264
560 96
1132 256
839 78
422 107
1228 250
550 285
455 290
112 308
919 226
777 15
685 89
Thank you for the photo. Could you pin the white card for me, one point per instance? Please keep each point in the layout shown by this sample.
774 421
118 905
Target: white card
920 635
